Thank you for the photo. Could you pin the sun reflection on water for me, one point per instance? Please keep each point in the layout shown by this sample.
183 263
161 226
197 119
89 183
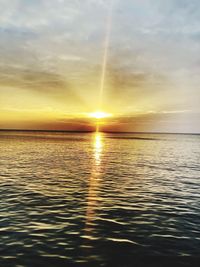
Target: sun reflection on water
93 198
98 146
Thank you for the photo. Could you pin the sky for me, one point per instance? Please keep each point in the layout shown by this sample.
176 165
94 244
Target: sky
52 53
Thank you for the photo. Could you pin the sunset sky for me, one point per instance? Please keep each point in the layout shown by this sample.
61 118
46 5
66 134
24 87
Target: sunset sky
52 51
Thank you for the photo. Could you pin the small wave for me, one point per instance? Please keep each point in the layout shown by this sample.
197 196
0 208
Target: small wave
122 240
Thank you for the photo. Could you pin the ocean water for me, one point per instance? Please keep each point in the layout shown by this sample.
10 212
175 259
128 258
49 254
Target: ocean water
97 199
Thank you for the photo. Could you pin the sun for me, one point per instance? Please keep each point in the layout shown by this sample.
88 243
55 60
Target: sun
99 115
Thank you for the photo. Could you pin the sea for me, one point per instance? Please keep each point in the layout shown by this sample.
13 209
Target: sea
99 199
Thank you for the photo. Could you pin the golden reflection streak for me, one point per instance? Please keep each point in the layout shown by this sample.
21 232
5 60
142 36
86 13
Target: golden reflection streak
98 148
94 183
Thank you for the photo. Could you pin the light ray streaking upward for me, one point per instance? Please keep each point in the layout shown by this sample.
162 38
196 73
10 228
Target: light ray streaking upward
105 55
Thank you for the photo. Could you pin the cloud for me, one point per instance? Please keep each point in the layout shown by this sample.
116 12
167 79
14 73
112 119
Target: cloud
182 122
48 85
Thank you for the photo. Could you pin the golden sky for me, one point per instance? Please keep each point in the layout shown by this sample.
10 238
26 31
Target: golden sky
51 65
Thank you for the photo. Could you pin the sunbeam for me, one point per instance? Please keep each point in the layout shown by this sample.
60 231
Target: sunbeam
105 58
106 50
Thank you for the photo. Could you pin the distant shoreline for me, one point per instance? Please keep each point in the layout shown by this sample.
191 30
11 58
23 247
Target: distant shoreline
111 132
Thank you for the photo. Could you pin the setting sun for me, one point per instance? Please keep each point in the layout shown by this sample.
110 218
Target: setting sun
99 115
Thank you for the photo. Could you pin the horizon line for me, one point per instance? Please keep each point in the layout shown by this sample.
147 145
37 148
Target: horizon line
90 131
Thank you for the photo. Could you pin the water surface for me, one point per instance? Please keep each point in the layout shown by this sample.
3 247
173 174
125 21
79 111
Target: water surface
98 199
